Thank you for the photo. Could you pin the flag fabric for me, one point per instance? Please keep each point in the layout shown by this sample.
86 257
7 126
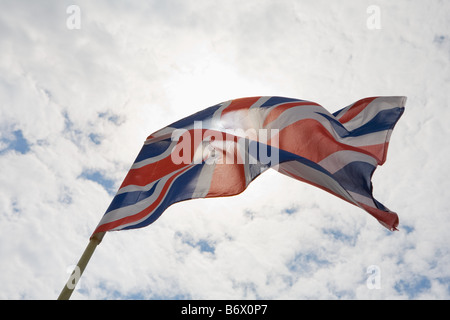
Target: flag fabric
220 150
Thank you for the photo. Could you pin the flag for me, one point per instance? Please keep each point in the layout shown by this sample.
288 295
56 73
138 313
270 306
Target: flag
219 151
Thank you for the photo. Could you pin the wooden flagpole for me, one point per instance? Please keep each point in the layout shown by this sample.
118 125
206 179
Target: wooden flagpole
81 265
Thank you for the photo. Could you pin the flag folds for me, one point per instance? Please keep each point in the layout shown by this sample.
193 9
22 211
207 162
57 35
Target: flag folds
220 150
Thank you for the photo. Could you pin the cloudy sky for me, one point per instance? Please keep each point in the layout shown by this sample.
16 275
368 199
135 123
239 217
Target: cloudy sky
82 87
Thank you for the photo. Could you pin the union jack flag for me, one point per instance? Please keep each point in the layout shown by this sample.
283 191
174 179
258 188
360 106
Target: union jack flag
220 150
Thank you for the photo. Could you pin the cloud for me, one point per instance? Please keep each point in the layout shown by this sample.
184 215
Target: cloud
76 106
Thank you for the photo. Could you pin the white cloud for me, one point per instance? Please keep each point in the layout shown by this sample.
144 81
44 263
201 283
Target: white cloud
84 101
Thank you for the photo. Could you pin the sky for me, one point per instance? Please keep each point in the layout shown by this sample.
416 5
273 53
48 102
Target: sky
83 83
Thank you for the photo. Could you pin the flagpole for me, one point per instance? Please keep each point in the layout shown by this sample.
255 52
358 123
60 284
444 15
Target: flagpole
81 265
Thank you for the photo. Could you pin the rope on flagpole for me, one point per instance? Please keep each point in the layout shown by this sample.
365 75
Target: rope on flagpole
81 266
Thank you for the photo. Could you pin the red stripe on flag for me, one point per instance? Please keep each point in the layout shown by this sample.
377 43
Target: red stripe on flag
388 219
152 172
309 139
129 219
277 111
378 151
155 171
227 180
356 109
239 104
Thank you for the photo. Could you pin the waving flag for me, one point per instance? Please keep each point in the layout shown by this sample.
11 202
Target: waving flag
220 150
